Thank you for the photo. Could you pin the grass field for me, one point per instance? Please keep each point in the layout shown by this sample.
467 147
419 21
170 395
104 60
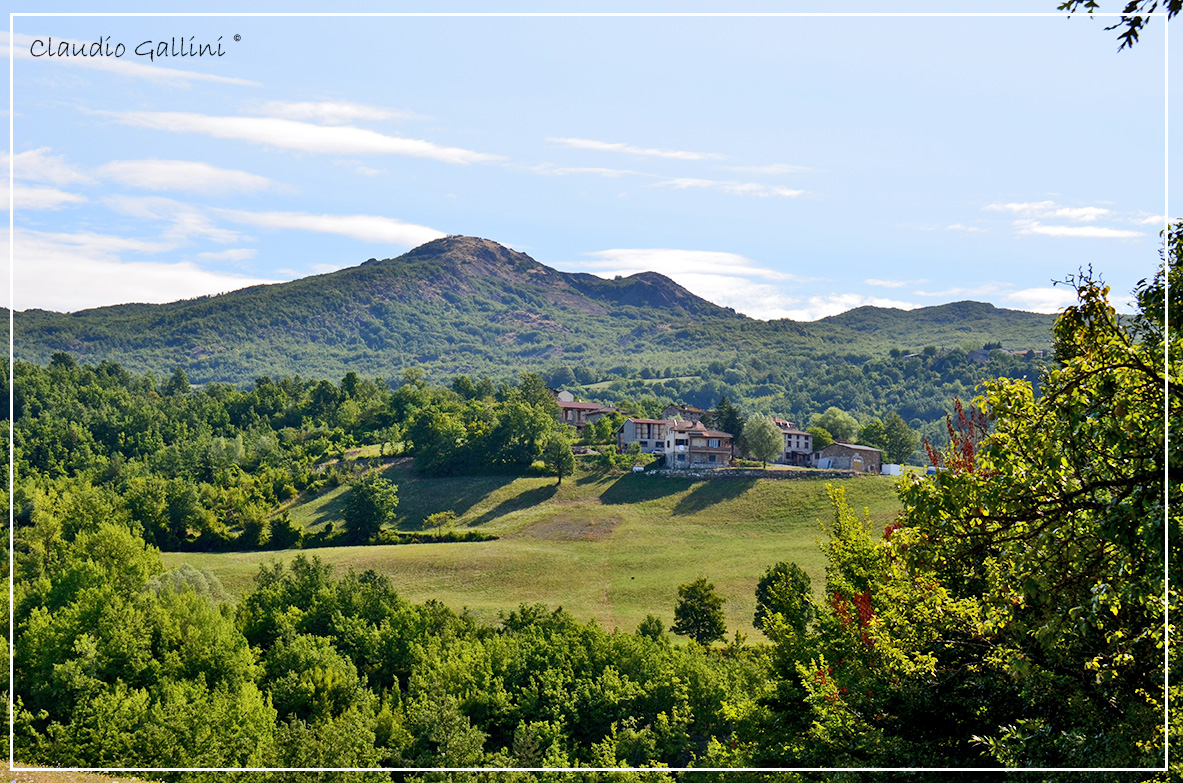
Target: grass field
612 547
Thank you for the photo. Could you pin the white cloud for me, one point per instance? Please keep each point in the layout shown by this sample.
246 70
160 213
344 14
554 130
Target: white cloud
980 292
1050 209
39 166
886 283
366 171
37 197
970 229
606 146
68 272
547 168
365 228
1153 220
1042 300
20 48
186 220
833 304
237 254
332 112
727 279
185 175
773 168
738 188
1090 232
303 136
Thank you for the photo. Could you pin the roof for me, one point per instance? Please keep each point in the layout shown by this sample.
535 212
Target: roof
581 406
647 421
857 446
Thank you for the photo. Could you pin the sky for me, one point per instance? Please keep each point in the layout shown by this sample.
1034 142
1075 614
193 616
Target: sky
788 167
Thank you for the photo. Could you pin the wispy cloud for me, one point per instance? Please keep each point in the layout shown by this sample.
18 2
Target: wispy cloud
1090 232
607 146
737 188
37 197
185 221
1042 300
39 165
772 169
968 229
236 254
365 228
19 45
332 112
302 136
547 168
886 283
728 279
183 175
832 304
68 272
1050 209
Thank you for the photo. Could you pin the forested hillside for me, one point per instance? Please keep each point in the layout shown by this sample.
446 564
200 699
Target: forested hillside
467 305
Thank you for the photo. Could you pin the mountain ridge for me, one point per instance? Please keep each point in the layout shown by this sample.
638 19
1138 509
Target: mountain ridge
466 304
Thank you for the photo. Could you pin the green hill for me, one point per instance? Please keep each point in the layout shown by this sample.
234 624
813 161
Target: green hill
603 546
469 305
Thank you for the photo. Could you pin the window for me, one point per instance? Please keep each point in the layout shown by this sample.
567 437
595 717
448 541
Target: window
644 444
711 458
714 444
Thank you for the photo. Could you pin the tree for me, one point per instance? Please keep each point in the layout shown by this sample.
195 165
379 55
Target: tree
838 423
178 383
728 418
763 438
1133 16
369 505
440 520
558 456
899 440
874 434
784 590
1021 589
699 612
821 437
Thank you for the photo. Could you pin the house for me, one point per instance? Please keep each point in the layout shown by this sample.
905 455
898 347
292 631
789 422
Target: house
649 433
685 412
850 456
690 444
798 444
576 413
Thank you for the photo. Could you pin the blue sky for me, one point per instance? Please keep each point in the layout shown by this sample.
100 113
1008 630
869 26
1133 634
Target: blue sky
786 167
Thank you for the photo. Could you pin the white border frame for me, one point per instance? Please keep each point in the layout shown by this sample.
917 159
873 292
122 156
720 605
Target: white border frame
12 765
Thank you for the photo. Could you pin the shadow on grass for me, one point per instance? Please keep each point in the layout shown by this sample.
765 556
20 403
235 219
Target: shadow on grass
330 511
420 497
633 488
516 503
709 493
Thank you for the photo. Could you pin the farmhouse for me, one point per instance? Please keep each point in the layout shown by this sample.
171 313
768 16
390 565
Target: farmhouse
798 444
685 412
648 433
692 444
849 456
580 414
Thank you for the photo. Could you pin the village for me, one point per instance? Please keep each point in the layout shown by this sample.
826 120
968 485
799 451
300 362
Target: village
683 439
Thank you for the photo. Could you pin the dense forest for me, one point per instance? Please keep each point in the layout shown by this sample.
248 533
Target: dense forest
1012 616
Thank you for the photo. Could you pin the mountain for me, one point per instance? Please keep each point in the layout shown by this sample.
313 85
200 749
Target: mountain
469 305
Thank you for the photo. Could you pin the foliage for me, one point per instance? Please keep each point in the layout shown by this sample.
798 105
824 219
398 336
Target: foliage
699 612
821 438
838 423
1014 612
557 455
784 590
1134 15
370 504
763 438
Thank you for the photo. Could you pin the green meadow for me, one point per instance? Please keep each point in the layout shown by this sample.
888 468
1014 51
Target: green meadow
602 545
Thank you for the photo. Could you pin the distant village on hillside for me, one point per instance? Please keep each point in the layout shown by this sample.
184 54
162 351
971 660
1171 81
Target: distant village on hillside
684 439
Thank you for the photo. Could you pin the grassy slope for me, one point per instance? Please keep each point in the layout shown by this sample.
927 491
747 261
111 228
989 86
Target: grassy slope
610 547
